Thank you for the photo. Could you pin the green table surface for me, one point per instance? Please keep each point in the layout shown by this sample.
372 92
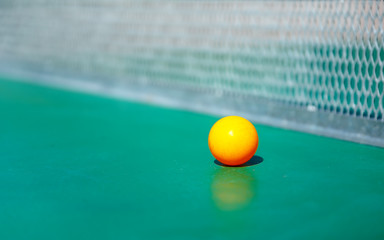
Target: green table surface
80 166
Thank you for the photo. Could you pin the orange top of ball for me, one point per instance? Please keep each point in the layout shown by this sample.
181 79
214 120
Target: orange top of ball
233 140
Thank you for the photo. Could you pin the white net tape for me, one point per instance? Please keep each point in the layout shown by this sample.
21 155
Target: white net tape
312 66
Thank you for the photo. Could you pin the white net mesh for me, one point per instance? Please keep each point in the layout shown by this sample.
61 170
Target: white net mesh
312 66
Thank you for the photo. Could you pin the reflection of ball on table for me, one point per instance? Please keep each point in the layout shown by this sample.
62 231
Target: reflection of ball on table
233 140
233 189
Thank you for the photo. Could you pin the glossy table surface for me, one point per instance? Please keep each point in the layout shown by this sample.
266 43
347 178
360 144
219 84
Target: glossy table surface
80 166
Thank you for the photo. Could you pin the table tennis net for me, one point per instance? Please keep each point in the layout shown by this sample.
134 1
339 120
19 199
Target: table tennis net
310 66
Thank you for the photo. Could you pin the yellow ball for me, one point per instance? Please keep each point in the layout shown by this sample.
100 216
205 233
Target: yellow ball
233 140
